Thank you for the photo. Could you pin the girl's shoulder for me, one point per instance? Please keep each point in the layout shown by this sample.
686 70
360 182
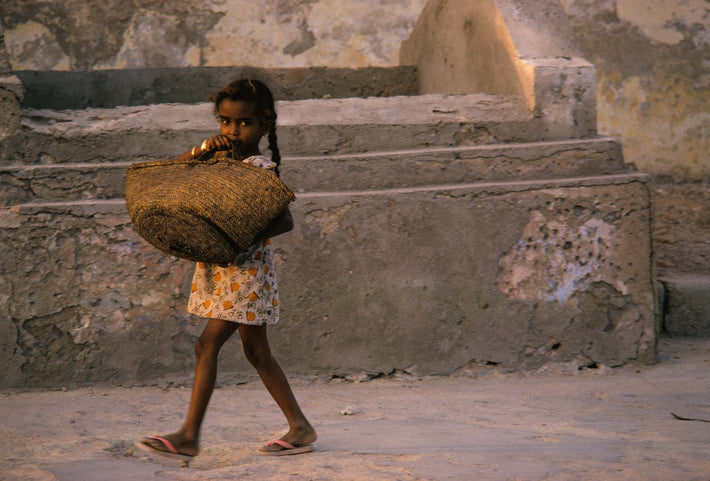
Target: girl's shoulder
260 161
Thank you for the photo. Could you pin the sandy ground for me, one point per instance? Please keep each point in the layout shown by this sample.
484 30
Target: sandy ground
603 424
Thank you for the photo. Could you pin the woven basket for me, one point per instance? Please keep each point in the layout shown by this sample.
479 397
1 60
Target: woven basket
203 211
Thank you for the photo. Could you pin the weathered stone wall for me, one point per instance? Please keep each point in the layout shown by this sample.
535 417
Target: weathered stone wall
10 93
58 90
431 270
429 267
113 34
654 83
652 90
654 94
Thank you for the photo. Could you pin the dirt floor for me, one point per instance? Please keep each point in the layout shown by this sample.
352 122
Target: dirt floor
598 424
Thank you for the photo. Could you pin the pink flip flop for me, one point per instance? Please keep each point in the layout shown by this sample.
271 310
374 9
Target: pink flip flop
288 449
170 451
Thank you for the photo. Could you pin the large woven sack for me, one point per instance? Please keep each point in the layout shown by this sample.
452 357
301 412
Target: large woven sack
203 211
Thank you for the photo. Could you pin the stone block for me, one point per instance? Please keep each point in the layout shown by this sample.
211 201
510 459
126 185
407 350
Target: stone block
681 234
565 96
11 92
507 47
514 274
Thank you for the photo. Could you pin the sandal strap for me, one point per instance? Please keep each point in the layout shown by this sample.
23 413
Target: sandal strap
281 443
167 443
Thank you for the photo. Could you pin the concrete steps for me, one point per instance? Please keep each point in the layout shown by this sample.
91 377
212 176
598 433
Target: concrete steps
372 170
457 227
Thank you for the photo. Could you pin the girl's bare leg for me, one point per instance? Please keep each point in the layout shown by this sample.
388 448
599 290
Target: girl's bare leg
213 337
257 351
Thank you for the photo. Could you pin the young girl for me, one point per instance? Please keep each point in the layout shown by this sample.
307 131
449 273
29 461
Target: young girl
242 296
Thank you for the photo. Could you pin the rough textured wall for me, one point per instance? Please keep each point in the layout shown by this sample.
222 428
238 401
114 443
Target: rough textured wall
652 59
566 280
87 34
10 93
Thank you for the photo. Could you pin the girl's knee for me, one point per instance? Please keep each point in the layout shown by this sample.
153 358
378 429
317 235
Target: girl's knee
257 355
256 345
206 347
213 337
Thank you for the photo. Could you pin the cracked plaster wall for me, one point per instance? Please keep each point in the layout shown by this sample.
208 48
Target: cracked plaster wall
653 79
89 35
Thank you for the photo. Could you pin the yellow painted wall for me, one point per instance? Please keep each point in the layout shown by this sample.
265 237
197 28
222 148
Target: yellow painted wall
653 70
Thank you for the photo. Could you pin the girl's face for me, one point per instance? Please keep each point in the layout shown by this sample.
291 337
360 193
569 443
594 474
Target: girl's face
238 122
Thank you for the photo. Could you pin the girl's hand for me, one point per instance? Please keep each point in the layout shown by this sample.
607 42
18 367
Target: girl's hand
214 143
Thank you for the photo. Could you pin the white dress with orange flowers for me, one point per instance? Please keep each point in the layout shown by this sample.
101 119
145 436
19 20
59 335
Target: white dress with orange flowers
245 292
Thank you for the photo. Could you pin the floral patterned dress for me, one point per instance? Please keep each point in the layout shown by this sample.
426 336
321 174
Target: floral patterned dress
245 292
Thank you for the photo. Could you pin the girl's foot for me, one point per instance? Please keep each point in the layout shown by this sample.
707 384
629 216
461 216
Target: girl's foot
294 442
170 445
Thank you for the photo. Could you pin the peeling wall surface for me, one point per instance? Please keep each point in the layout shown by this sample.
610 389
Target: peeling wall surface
88 35
566 279
653 67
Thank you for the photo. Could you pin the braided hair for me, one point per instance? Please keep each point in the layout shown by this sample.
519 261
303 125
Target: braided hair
258 94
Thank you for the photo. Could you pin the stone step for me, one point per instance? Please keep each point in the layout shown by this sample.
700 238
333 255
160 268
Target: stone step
685 304
375 170
89 207
306 127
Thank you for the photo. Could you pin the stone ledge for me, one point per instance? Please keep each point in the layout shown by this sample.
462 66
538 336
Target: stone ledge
424 109
113 88
89 207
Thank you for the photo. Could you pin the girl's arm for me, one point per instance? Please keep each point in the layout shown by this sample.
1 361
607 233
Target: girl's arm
282 224
193 153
